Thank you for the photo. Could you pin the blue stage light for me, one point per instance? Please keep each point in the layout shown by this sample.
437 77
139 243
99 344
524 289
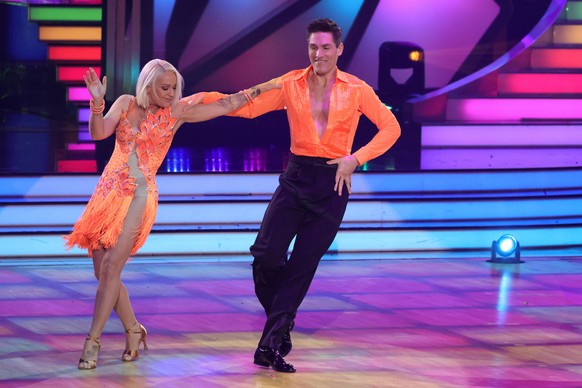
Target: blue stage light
508 248
506 245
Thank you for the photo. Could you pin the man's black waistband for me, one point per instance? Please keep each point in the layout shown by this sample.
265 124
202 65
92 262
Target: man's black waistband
311 160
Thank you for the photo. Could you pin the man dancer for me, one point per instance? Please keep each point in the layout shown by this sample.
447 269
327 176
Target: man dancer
323 108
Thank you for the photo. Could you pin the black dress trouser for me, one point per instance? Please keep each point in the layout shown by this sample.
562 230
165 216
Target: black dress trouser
305 207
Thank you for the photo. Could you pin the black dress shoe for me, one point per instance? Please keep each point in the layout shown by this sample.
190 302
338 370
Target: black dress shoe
266 357
286 344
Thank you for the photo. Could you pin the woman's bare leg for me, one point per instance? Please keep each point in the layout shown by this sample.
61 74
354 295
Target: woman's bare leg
109 288
111 293
122 306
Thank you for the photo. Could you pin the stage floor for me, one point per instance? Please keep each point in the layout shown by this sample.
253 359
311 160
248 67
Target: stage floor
365 323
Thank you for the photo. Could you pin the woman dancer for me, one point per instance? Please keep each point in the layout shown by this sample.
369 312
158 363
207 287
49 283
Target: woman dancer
122 209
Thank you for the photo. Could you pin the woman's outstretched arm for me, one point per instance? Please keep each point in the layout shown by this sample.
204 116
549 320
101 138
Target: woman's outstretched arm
186 113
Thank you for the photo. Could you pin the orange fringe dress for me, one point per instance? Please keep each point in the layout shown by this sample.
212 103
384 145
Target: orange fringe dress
133 166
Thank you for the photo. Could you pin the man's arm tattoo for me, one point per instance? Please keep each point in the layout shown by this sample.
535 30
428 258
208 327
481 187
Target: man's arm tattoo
231 102
255 92
235 101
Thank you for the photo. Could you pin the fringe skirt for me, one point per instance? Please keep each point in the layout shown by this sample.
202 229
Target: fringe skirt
102 222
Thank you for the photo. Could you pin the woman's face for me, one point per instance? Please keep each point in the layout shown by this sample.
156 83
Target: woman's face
163 91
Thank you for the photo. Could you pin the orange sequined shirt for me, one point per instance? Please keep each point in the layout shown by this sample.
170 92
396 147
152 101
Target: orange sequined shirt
350 98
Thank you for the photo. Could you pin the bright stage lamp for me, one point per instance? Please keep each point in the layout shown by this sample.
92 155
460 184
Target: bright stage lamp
508 248
415 56
506 245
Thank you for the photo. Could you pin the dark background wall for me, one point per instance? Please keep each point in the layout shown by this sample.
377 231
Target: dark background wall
229 45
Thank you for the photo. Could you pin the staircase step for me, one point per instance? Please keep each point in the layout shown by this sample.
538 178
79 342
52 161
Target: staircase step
84 135
74 53
567 34
497 146
402 213
83 114
556 58
513 109
221 186
467 158
542 83
76 166
574 11
220 244
502 135
88 34
81 147
78 94
64 14
218 214
74 74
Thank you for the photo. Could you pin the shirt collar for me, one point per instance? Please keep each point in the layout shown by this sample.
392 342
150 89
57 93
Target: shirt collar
340 75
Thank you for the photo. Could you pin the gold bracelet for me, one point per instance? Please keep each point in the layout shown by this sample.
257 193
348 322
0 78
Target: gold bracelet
97 109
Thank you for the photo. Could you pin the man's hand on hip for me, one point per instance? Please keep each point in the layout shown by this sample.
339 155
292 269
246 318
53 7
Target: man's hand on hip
345 168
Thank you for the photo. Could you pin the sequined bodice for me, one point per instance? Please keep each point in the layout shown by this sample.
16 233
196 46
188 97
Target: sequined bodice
150 143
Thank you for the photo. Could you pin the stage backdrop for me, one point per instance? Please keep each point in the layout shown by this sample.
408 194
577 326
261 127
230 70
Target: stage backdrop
228 45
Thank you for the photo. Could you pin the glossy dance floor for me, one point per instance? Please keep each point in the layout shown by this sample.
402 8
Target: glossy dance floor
365 323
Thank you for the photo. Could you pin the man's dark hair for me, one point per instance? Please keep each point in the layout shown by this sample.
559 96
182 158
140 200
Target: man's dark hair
325 25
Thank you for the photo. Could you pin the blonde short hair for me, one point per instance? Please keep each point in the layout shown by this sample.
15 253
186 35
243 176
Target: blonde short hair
148 75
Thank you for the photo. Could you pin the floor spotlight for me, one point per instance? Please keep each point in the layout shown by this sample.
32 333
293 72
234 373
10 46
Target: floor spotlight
506 250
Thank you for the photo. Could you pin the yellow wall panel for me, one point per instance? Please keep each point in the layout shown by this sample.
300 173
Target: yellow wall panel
568 34
69 33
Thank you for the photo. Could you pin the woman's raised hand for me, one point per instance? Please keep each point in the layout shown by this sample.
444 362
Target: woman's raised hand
94 85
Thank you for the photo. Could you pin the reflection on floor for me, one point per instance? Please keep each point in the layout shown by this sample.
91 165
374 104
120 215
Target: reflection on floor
460 322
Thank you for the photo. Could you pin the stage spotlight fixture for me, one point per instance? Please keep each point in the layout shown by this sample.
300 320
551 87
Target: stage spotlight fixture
401 72
400 78
506 249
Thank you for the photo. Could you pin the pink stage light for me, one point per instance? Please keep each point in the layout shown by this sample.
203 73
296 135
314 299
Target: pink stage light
75 73
501 135
74 53
78 93
83 115
556 58
77 166
499 158
512 109
83 134
539 83
81 146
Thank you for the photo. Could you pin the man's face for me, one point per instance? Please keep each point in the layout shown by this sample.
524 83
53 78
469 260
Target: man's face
323 53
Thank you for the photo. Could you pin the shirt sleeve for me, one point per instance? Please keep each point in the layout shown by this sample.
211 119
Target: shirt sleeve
382 117
264 103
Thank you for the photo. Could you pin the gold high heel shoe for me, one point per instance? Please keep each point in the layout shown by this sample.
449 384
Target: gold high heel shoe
131 355
85 362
